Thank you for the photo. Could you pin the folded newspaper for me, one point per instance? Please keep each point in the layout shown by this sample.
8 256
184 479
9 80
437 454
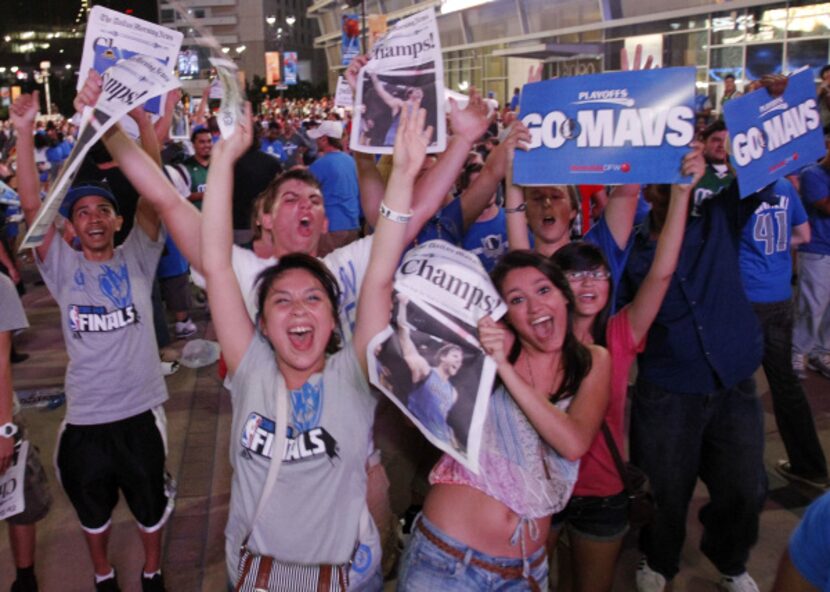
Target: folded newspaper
126 85
429 361
112 36
404 65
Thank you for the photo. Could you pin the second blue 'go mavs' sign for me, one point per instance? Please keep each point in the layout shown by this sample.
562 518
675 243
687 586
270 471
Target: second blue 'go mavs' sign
620 127
773 137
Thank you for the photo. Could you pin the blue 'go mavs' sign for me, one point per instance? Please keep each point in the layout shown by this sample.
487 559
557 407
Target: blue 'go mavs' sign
773 137
620 127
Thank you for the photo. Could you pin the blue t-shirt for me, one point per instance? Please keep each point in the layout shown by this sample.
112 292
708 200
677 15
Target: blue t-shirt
810 544
172 262
447 224
601 236
272 147
337 174
488 240
766 265
815 186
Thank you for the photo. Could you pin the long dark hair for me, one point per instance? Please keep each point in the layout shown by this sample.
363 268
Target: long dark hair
584 256
312 265
576 359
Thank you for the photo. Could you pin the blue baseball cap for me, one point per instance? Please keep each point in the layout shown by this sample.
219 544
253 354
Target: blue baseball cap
85 190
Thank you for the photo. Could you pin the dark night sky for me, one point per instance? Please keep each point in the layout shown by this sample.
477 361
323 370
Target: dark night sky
17 14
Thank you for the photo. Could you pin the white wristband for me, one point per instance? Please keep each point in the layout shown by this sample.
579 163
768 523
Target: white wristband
394 216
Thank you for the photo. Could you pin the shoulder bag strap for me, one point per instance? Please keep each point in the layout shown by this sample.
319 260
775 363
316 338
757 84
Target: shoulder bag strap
277 449
615 453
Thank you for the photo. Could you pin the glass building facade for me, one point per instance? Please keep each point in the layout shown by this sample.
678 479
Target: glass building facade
489 44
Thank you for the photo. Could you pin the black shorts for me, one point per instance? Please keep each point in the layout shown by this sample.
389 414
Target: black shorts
94 462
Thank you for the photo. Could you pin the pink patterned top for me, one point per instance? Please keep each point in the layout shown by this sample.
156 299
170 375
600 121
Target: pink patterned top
516 466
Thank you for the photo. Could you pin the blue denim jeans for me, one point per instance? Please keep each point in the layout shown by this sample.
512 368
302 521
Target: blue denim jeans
426 568
789 402
719 437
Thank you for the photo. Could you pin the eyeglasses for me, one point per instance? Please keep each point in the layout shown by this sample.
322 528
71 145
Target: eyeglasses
580 276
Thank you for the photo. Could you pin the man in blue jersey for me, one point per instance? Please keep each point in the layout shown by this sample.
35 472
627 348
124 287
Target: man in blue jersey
766 268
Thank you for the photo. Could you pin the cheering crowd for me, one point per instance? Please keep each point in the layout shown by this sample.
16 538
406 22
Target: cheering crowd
296 241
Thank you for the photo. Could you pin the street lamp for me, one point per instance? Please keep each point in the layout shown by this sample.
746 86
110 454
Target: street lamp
290 20
271 20
45 65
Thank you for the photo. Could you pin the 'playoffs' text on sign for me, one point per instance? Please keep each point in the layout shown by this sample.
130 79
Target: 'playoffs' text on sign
773 137
621 127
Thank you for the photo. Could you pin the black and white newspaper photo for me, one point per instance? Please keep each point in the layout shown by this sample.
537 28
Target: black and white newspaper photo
429 361
404 66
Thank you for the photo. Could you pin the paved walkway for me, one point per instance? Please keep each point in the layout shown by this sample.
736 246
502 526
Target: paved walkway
198 414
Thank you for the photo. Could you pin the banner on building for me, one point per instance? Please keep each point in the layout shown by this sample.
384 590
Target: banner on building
771 137
429 361
405 65
620 127
290 69
350 38
112 36
376 23
273 74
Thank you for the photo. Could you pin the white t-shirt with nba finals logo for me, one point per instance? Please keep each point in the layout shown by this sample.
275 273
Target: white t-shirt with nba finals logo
314 508
107 322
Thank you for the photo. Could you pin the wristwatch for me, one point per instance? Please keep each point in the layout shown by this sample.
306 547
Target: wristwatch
8 429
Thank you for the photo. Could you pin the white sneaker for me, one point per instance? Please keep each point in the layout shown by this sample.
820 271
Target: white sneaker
185 329
741 583
800 365
649 580
820 363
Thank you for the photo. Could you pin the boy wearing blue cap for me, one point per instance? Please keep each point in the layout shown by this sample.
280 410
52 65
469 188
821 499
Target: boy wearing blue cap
113 438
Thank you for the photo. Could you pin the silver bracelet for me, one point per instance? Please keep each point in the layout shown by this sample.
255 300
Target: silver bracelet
394 216
516 210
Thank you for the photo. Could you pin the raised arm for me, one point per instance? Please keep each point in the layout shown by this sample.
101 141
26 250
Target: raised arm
477 196
23 114
162 125
181 218
234 328
514 209
467 125
145 216
649 297
371 186
418 366
570 433
375 303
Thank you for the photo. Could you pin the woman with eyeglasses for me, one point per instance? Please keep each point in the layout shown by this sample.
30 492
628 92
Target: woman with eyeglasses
596 515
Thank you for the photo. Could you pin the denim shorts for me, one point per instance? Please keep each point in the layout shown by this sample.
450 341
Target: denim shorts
427 568
595 518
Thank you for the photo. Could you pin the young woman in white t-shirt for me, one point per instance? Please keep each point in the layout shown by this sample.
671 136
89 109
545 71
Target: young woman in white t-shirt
298 318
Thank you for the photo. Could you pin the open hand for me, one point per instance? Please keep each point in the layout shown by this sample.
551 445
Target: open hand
472 121
411 139
239 142
636 63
